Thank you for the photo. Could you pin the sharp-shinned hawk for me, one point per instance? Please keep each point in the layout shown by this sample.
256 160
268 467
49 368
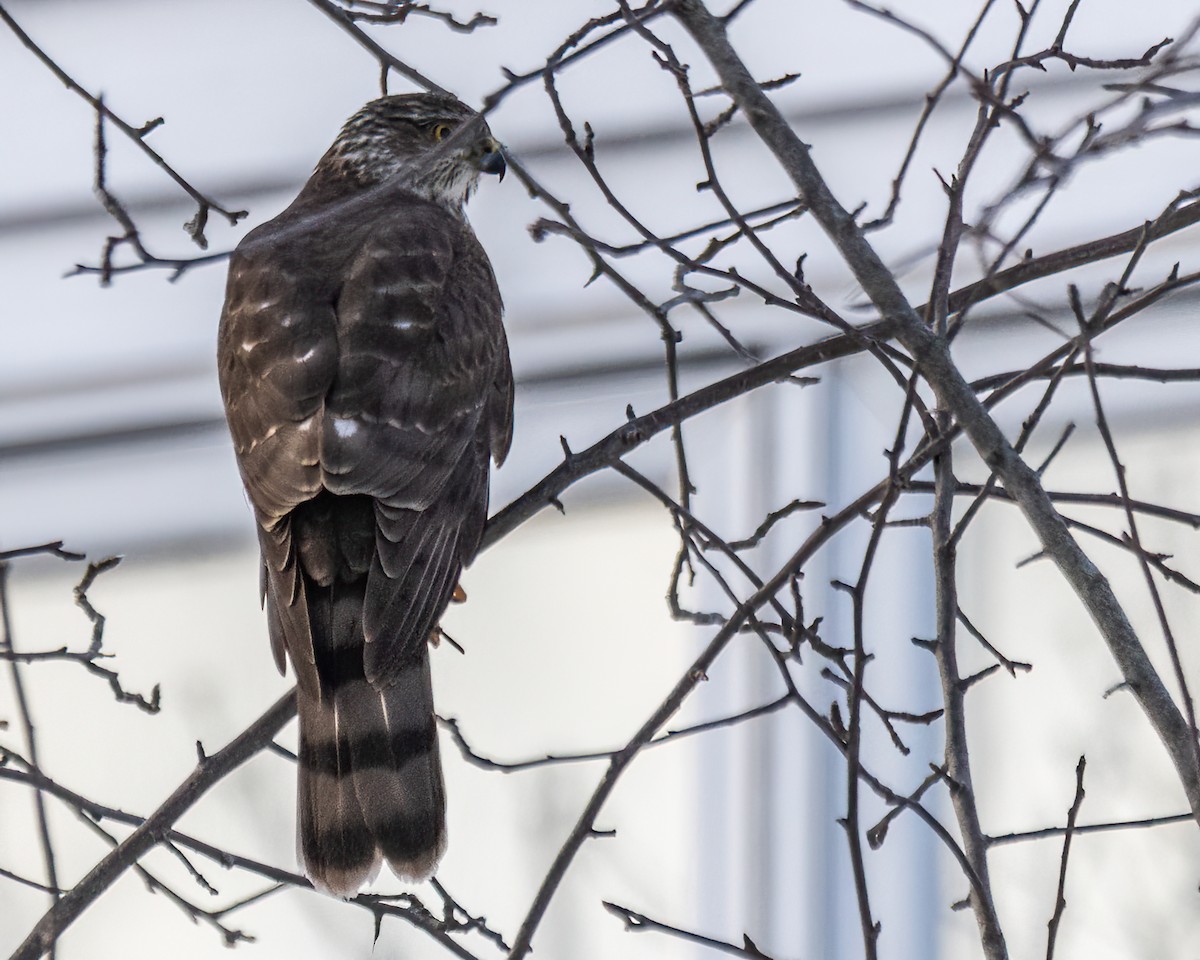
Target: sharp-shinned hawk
367 384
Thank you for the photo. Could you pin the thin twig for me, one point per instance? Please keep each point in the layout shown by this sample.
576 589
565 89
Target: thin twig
932 355
204 204
638 922
29 729
47 930
1060 900
472 756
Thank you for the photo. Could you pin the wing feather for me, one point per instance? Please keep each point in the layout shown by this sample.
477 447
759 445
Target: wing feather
366 380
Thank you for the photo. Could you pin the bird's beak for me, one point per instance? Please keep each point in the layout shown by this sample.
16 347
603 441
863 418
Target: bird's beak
491 159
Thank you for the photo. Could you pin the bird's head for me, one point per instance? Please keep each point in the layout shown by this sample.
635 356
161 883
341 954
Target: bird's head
434 144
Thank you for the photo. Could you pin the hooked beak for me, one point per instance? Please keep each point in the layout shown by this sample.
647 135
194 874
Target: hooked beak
491 159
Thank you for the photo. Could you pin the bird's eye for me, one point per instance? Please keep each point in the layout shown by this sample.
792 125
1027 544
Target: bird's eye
441 131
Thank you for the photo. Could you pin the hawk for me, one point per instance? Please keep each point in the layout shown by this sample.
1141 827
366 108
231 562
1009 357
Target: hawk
367 385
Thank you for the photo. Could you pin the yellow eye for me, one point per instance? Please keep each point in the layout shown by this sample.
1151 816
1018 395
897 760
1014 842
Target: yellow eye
441 131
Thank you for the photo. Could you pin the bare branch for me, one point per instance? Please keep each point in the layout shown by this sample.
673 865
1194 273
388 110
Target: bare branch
640 923
408 908
933 358
54 549
477 759
398 12
29 729
67 909
204 204
1060 900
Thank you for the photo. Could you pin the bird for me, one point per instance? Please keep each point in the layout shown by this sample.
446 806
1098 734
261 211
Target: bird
367 385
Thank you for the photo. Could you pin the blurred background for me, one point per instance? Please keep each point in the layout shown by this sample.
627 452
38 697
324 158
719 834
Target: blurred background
112 440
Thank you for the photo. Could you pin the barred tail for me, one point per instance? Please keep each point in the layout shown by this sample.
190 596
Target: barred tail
370 779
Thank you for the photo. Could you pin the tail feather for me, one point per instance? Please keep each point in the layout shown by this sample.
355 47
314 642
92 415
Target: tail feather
335 844
407 812
370 777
